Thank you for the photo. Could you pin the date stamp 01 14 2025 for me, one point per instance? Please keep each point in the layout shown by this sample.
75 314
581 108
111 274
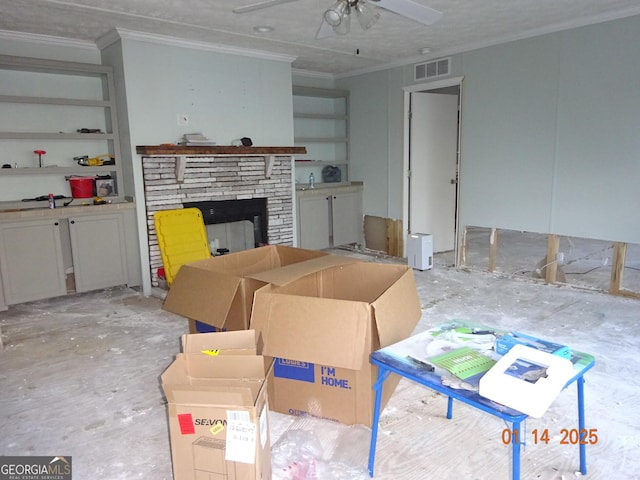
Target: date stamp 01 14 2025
568 436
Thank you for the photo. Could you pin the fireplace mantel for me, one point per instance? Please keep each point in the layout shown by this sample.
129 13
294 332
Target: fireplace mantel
181 152
215 150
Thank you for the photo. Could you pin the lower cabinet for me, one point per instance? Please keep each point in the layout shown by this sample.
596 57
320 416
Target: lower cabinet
31 260
50 257
329 218
98 250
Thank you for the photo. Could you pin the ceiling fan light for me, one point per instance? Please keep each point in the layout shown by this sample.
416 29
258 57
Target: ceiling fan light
345 24
334 15
366 14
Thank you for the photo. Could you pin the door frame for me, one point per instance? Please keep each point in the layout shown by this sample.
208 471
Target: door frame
426 87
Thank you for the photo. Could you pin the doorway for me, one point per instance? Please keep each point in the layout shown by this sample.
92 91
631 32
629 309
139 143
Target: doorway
432 139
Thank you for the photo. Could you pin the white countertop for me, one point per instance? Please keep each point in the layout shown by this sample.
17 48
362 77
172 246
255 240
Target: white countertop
324 188
18 210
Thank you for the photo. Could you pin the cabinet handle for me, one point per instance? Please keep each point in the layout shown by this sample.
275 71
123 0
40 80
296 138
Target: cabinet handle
55 224
72 222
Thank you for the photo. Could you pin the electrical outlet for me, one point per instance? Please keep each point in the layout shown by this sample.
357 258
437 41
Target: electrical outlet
183 120
560 258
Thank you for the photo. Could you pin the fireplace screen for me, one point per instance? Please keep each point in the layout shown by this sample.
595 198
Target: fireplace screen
234 225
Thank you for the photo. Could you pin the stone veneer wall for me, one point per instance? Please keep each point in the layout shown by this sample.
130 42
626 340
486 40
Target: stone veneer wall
218 178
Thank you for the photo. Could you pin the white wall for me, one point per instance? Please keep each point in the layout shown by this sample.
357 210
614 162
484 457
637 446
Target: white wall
549 134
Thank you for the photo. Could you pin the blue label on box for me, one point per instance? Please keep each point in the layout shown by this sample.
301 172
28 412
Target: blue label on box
294 370
206 328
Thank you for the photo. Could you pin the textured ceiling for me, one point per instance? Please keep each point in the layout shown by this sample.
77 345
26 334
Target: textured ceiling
466 24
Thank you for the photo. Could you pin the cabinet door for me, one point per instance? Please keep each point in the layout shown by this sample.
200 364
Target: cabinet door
346 214
313 222
31 261
98 250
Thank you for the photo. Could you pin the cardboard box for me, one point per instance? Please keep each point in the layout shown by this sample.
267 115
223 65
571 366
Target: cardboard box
217 411
241 342
218 291
321 328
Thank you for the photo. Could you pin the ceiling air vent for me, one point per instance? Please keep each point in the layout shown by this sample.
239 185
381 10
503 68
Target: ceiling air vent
433 69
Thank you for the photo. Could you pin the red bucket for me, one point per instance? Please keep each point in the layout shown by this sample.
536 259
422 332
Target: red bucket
81 187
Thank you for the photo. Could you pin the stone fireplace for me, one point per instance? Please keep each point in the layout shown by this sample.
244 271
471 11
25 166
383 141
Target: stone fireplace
228 184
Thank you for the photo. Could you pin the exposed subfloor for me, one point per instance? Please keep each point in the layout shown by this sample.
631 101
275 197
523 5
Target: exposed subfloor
80 377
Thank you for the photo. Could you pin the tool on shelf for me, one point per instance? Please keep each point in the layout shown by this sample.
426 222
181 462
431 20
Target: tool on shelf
89 130
98 161
39 153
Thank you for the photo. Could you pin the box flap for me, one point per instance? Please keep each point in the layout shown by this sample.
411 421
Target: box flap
240 342
222 395
256 260
187 366
318 330
197 294
224 366
398 310
293 271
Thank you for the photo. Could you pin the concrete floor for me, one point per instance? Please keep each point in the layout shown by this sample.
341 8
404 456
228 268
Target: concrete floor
80 377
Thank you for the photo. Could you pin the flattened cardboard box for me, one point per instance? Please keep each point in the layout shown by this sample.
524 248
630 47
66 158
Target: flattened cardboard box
217 411
321 328
218 291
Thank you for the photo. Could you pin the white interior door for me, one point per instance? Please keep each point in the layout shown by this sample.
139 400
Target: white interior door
433 153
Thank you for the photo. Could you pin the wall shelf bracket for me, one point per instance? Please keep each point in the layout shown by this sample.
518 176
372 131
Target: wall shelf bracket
181 164
269 160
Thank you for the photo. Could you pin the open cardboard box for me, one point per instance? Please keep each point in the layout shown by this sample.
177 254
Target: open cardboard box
217 410
218 291
240 342
320 328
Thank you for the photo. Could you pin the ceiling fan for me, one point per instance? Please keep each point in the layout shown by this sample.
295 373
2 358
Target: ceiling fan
337 19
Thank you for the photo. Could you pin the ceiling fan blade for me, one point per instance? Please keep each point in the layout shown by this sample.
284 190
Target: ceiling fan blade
325 31
411 10
260 5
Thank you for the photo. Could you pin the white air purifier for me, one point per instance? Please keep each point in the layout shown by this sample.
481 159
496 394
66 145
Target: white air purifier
420 251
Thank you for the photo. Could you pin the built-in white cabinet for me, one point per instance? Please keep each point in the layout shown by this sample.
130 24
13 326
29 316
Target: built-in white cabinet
65 251
65 109
329 217
99 251
313 221
31 260
321 124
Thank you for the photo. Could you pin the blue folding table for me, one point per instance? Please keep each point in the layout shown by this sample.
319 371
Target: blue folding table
388 362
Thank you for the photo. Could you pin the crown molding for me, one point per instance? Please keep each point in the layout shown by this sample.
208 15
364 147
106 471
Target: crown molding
48 40
117 34
312 74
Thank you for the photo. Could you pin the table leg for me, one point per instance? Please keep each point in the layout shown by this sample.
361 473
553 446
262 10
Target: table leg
581 426
516 440
383 373
450 408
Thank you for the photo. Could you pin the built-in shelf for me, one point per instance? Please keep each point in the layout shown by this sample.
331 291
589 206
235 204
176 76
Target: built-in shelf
77 102
320 116
55 136
54 120
321 123
322 139
311 163
53 170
